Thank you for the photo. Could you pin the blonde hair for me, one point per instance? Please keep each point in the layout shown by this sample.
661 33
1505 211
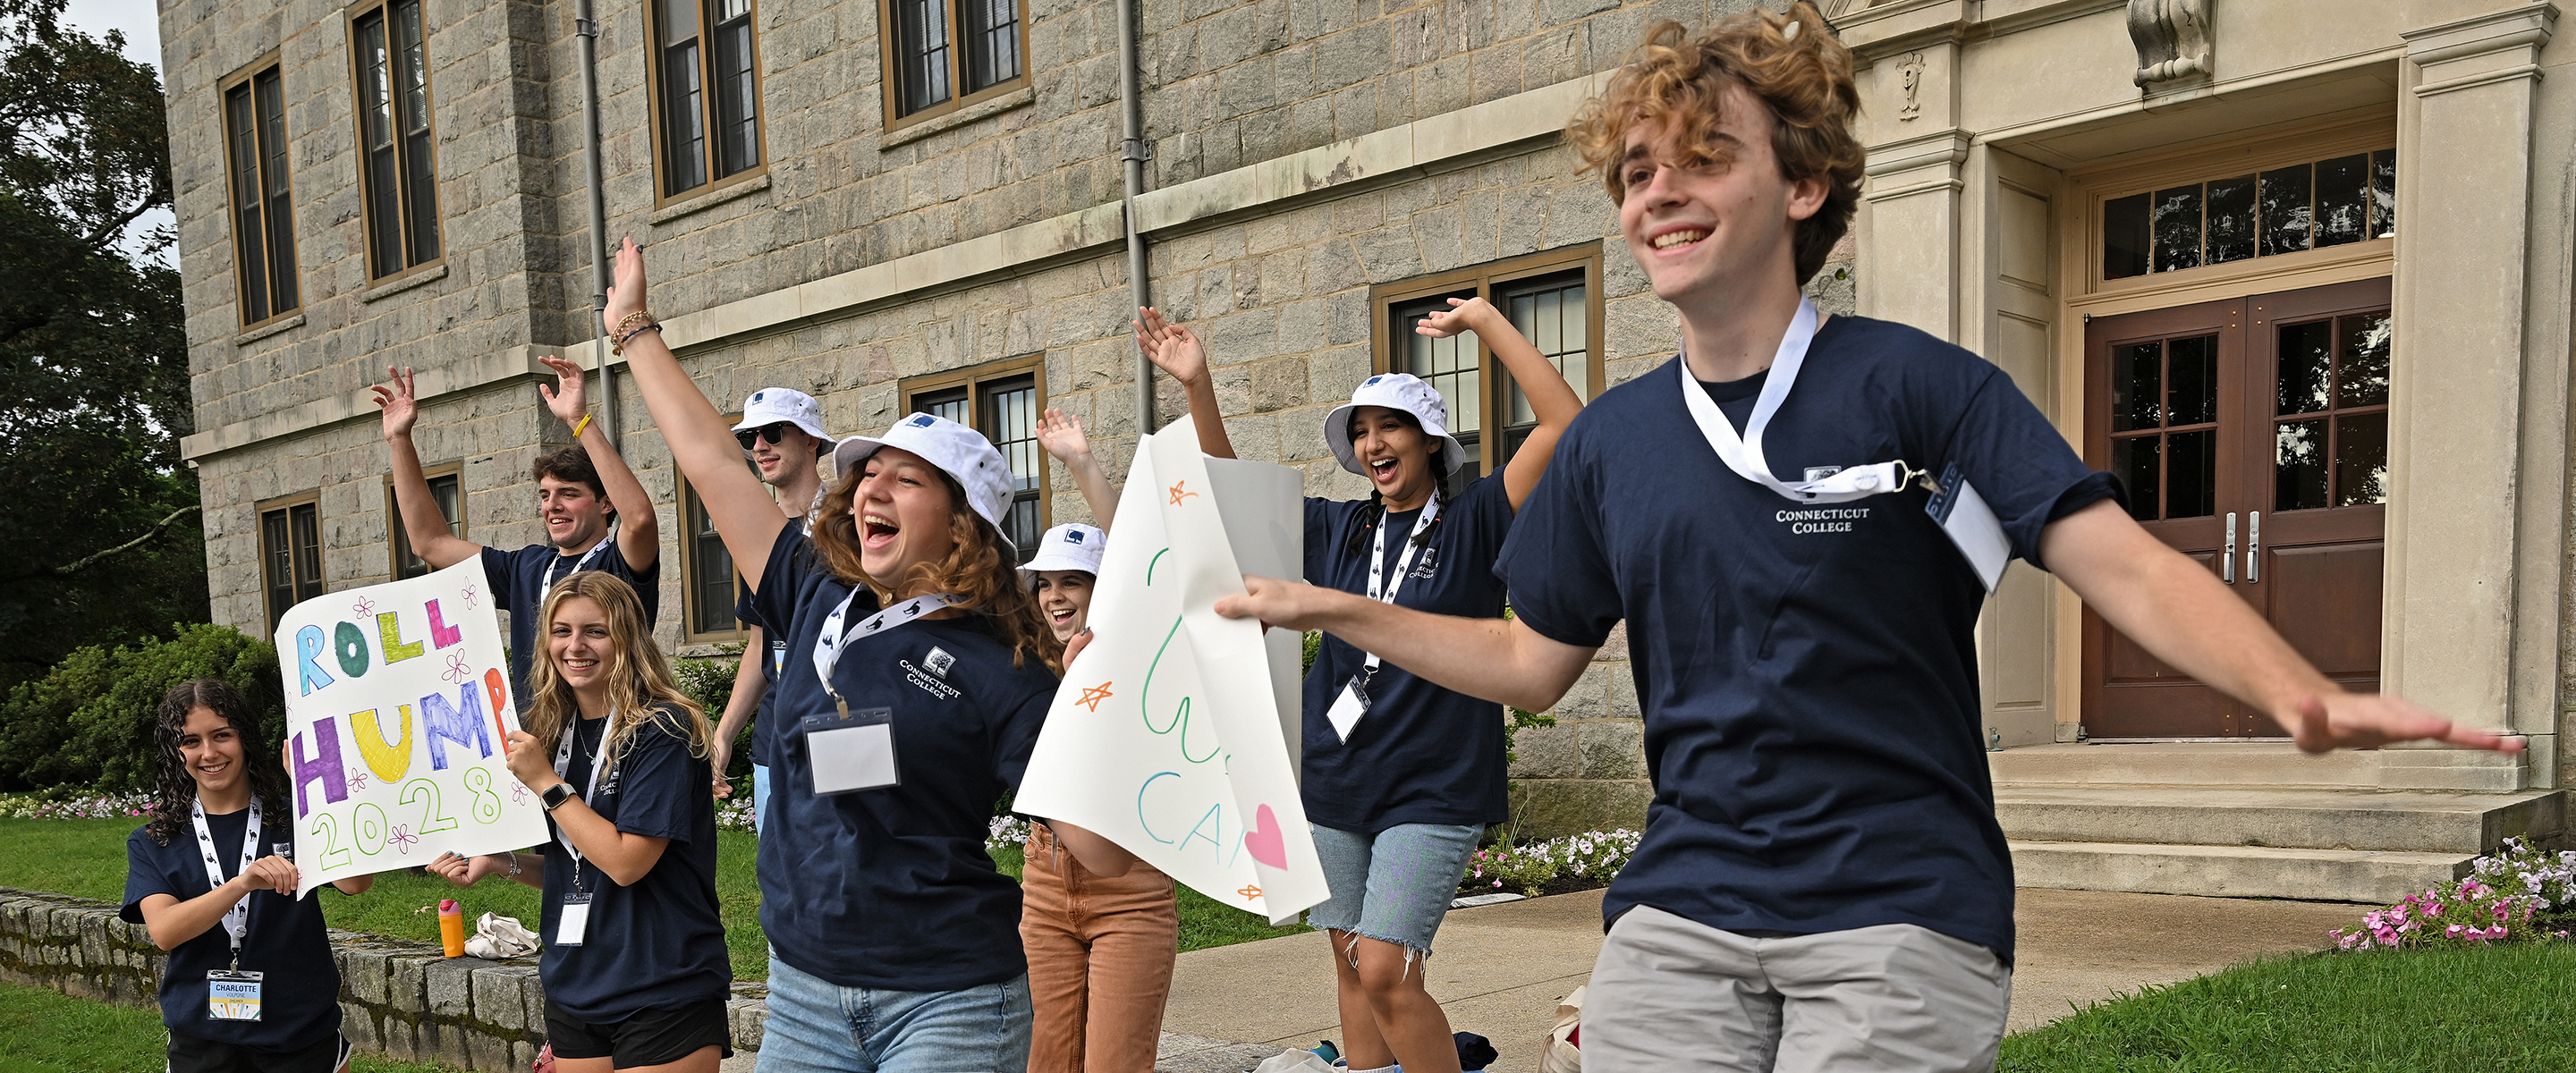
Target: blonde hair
1791 63
978 569
639 679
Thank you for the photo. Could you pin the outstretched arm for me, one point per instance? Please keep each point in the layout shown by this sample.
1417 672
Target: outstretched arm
1061 435
2176 610
701 442
638 529
1500 660
1176 350
427 528
1549 396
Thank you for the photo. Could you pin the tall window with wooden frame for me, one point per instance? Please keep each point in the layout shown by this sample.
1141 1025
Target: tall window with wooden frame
290 553
446 489
1002 400
706 99
1553 299
398 172
710 585
946 54
263 218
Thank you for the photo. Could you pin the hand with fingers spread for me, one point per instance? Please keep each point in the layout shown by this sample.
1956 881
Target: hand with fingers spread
1173 348
569 401
2369 720
1061 434
400 408
1463 315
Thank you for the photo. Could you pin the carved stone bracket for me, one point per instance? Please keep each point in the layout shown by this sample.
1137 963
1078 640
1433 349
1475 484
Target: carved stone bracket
2173 38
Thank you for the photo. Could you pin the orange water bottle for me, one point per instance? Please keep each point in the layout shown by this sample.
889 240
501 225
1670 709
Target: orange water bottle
451 927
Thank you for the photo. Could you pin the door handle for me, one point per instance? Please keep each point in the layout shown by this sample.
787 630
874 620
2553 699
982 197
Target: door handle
2227 559
2253 546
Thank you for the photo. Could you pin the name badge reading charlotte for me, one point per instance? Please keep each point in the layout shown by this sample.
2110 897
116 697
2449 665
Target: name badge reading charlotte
852 752
232 995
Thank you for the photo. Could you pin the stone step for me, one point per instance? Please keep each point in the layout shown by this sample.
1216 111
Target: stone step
2233 763
2326 818
2326 875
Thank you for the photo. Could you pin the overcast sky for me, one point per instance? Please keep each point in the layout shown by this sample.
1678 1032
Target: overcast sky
139 19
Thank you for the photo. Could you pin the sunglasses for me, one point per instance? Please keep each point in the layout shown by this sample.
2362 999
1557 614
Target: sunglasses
772 432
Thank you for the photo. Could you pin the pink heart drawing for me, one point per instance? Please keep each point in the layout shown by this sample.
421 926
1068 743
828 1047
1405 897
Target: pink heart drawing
1264 840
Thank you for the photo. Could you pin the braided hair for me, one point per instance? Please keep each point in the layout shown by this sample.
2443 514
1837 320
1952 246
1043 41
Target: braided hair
174 790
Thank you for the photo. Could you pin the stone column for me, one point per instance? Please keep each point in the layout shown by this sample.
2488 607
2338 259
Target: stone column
2477 428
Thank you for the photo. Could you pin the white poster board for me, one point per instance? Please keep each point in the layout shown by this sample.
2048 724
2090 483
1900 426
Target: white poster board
398 713
1173 734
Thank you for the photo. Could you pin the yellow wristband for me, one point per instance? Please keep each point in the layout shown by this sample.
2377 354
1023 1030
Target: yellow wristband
576 429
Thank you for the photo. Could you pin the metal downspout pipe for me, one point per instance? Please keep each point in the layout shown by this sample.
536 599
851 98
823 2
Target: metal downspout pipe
1134 151
586 44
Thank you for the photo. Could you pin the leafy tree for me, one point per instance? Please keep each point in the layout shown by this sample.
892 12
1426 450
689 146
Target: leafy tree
98 518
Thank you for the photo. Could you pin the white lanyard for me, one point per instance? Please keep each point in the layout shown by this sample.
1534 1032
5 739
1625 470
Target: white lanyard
599 763
1403 564
577 567
1744 454
829 644
237 918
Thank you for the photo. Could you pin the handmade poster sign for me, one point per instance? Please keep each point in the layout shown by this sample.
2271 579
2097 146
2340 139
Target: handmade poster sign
1173 734
398 713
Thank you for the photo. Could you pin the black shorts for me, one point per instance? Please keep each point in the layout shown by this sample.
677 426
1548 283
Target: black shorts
647 1038
188 1054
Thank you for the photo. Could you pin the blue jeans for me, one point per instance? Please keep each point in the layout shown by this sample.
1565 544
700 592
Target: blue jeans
759 798
1393 886
817 1026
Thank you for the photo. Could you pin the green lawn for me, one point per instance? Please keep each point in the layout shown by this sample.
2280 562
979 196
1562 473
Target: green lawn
43 1031
86 858
2506 1009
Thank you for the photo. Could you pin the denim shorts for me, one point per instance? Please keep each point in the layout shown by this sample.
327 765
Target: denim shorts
1393 886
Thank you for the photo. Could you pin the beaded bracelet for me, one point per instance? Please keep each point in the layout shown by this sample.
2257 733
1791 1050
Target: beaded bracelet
619 346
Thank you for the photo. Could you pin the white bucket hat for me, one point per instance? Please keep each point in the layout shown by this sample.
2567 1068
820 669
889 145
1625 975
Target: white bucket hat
960 452
772 405
1071 546
1395 391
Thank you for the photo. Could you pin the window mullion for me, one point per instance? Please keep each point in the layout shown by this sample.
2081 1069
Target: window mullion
709 112
957 88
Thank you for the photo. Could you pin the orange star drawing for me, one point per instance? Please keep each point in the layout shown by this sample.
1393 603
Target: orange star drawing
1178 495
1250 891
1092 697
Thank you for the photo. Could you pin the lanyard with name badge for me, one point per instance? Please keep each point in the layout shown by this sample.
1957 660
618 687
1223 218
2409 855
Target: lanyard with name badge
578 566
231 994
1353 701
1955 505
852 751
575 918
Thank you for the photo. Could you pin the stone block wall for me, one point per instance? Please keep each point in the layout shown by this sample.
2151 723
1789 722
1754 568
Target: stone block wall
402 1000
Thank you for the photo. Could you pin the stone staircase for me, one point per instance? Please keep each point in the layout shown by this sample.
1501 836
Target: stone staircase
2245 820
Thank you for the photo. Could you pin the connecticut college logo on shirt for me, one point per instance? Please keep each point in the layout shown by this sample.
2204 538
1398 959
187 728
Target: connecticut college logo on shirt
931 672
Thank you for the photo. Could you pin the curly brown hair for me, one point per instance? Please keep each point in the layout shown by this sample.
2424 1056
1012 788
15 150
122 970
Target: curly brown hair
174 790
980 569
1803 75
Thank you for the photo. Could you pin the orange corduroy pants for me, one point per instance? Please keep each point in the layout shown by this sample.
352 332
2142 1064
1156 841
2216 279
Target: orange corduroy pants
1100 961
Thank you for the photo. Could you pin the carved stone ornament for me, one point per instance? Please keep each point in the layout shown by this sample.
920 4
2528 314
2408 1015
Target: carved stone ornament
2172 38
1910 75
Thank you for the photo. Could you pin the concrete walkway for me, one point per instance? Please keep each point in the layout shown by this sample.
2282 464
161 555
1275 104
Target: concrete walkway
1500 969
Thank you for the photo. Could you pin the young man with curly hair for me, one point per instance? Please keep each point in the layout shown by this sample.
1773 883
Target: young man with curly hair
1799 519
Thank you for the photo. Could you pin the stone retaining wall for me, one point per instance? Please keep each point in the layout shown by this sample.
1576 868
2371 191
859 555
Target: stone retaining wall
402 1000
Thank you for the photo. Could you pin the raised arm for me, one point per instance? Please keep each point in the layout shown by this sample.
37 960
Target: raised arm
2173 608
639 530
701 442
1061 435
430 538
1176 350
1500 660
1550 397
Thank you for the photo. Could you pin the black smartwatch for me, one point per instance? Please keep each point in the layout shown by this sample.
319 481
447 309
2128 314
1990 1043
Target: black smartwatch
557 794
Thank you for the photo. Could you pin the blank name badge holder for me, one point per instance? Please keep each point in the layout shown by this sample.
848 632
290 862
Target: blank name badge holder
851 751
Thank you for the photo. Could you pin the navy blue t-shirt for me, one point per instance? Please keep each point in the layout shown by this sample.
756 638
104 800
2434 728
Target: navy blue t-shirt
518 580
660 942
300 997
1422 754
891 888
1808 673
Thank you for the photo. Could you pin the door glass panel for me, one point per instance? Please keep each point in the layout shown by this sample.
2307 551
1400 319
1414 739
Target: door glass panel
2285 215
2134 460
2362 379
2192 385
2137 382
2299 465
2231 219
2191 489
2343 199
2361 459
2305 375
2177 226
2124 237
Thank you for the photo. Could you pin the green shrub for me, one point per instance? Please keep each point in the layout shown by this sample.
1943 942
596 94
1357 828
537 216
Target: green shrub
88 721
709 681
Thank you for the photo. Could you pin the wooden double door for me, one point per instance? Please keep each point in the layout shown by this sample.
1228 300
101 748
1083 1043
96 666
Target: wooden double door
2252 435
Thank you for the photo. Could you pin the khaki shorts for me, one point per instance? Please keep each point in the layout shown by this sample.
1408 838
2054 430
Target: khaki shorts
1669 993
